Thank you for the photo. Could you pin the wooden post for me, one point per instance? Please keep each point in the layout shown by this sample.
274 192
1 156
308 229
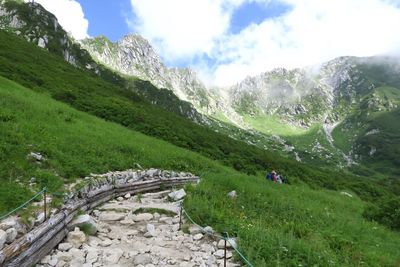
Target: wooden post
45 204
225 237
180 217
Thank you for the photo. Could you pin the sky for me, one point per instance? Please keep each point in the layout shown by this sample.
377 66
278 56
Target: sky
227 40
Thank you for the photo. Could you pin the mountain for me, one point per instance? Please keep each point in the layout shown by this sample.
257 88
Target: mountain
296 111
351 99
134 56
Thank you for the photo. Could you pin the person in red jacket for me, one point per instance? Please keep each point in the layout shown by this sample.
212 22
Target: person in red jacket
274 176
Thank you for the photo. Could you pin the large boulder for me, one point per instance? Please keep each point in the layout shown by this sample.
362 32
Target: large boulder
177 195
86 223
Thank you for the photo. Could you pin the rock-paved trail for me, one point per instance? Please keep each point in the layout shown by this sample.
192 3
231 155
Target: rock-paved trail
140 230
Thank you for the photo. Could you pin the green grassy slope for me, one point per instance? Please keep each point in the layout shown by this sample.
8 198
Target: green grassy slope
277 225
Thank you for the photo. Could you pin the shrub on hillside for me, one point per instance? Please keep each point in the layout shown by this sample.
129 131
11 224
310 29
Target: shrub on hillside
385 211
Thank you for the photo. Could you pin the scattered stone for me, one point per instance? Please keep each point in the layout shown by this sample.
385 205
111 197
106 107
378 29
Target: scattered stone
53 262
3 238
166 220
87 221
96 213
111 216
143 217
76 238
11 235
220 254
112 256
5 225
46 259
39 218
64 246
197 237
63 256
92 256
120 199
208 230
232 194
127 196
194 230
231 242
151 230
177 195
346 194
37 156
127 222
105 243
142 259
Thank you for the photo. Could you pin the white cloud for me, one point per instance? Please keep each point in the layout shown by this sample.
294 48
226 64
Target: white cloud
70 16
181 28
312 31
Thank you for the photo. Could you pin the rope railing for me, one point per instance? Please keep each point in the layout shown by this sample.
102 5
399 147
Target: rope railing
226 238
44 190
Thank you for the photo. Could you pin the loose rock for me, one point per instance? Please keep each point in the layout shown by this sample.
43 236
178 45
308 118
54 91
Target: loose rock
143 217
111 216
64 246
87 221
11 235
3 238
177 195
232 194
76 238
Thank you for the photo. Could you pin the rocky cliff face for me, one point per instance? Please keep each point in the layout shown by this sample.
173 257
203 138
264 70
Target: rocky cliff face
134 56
38 26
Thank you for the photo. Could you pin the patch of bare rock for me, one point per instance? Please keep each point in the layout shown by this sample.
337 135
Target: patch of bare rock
141 230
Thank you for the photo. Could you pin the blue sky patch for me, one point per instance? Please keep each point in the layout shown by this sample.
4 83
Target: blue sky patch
106 17
249 13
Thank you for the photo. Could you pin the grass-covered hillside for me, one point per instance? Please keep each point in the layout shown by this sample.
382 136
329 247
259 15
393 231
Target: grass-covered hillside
276 225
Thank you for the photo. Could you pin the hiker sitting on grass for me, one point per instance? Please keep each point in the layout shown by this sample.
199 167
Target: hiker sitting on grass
277 178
